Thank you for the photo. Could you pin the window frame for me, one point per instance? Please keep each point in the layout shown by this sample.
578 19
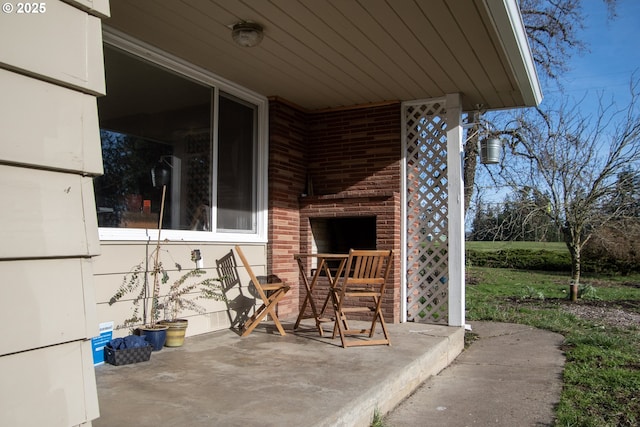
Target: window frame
170 62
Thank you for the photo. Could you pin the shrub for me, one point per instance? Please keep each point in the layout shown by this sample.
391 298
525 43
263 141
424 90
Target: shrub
521 259
614 249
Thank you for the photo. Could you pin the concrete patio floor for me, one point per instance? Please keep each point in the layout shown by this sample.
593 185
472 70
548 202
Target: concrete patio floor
222 379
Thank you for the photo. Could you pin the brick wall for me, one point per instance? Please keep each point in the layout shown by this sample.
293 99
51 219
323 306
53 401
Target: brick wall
287 178
355 150
352 157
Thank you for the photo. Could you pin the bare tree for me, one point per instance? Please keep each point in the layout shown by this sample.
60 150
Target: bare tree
553 29
520 216
575 162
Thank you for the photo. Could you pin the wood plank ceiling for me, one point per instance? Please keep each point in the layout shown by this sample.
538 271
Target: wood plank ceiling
323 54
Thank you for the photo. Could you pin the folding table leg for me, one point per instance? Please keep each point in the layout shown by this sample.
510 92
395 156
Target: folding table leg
309 297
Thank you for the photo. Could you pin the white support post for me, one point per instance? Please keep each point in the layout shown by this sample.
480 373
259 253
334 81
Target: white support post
455 160
403 218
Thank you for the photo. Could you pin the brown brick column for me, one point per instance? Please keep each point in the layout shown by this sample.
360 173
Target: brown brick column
287 178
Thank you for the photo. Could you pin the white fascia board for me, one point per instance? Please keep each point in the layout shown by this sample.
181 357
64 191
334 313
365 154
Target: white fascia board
507 21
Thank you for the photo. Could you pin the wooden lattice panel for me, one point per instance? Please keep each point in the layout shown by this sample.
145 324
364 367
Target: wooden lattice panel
427 242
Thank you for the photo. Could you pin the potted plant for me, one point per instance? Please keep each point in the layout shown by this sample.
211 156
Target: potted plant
146 306
181 297
154 333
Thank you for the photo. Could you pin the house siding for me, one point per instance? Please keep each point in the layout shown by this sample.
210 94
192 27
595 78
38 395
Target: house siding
353 159
51 69
120 257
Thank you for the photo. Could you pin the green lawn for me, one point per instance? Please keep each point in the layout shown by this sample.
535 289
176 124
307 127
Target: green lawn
602 370
496 246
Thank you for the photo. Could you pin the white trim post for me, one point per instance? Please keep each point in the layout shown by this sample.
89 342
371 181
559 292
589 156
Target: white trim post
455 183
403 216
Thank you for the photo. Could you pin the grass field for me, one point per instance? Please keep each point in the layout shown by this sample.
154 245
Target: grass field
496 246
602 336
601 375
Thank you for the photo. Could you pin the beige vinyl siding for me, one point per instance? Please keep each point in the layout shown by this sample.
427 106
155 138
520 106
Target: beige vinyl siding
54 305
63 45
119 258
51 69
49 214
95 7
52 386
58 126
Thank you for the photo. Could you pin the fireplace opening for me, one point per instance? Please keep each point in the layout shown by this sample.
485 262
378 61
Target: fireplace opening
339 235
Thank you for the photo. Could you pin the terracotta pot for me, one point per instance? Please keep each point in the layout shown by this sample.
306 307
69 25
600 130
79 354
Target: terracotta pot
176 332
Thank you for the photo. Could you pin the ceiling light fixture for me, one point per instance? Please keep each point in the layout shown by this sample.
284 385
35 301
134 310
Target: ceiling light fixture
247 34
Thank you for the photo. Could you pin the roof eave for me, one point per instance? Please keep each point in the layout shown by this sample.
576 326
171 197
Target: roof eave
507 21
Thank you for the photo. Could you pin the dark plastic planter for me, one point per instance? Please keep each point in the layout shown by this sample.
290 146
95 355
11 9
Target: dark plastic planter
156 336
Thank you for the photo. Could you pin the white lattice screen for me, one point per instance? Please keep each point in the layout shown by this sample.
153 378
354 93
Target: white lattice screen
427 216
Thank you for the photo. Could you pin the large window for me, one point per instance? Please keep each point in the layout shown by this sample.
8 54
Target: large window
236 138
167 135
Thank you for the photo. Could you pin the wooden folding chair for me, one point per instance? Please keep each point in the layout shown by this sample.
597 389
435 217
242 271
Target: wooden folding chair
269 293
360 290
238 304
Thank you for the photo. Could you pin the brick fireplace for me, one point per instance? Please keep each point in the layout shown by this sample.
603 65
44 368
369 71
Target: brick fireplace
339 234
338 223
378 210
334 183
338 164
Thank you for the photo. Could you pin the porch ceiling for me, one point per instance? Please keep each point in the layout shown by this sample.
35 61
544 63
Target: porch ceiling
331 53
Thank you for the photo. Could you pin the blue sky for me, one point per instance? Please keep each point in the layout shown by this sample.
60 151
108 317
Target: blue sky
606 69
614 55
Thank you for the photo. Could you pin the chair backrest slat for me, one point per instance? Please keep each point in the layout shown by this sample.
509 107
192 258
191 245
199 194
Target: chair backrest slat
368 266
228 271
